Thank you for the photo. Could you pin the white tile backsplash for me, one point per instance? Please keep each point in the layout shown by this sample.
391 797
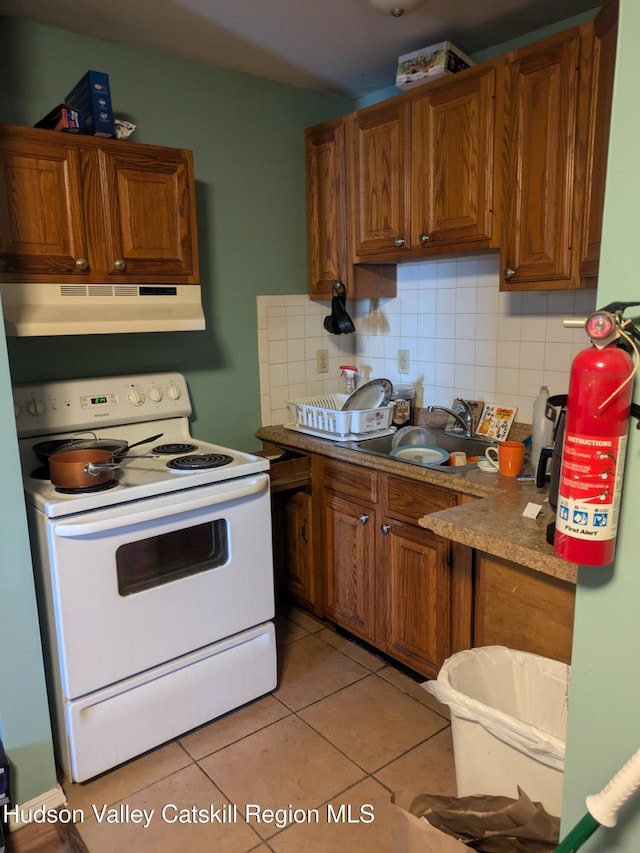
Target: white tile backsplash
463 337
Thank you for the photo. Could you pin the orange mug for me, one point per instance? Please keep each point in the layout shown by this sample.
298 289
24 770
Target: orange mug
509 457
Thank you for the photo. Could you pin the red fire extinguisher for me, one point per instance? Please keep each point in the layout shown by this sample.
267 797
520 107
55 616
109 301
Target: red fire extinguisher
595 440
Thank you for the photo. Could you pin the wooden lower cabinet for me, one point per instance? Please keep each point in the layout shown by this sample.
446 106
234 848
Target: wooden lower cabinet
349 533
388 581
348 547
295 564
522 609
299 575
413 596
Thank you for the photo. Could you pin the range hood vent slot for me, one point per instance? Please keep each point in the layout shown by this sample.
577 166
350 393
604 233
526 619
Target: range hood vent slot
73 290
100 290
125 290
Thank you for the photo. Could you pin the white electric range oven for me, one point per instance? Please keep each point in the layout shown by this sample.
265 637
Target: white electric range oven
155 589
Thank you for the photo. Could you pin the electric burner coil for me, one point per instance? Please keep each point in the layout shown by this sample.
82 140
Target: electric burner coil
199 461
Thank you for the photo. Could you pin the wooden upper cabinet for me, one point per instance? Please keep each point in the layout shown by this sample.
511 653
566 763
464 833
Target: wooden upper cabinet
327 226
381 180
510 155
147 197
90 210
453 127
544 184
41 220
604 57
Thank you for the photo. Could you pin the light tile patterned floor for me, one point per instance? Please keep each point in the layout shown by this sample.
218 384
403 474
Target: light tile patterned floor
342 731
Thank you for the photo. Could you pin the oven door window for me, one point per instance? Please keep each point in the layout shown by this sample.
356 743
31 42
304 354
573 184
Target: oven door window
168 557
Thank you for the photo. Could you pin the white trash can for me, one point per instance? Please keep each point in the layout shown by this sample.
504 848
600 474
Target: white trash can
508 721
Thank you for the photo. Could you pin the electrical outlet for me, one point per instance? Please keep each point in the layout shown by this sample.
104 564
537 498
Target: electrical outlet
322 360
403 361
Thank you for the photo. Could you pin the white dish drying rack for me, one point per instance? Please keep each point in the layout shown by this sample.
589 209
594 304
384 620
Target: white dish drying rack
322 416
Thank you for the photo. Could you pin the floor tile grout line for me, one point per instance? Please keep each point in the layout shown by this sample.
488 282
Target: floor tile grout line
230 800
332 798
353 760
239 739
327 695
406 752
143 787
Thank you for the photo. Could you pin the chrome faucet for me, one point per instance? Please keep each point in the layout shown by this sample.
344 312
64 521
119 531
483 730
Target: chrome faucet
461 412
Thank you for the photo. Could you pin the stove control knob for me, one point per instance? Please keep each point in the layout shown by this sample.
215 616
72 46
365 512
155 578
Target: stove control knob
155 394
135 396
35 407
173 392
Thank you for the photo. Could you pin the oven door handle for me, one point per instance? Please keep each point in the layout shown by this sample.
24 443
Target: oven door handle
245 488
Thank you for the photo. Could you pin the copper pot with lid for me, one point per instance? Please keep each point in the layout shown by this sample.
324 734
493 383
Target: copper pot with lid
83 469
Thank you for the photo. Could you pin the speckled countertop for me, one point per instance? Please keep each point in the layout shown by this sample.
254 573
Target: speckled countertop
493 524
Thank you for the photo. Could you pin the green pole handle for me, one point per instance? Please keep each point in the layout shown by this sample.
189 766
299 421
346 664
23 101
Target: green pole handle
584 829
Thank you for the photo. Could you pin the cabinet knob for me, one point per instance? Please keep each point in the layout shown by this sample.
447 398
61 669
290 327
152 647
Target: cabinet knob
82 264
399 242
385 528
508 273
425 238
363 518
120 264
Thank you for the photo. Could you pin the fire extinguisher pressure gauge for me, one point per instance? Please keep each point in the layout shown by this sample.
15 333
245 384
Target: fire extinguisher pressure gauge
601 328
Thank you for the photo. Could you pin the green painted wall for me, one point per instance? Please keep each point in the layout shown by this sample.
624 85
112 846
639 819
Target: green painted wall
248 146
24 717
604 700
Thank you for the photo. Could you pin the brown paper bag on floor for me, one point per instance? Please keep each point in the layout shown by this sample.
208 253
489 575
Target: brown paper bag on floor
489 824
411 834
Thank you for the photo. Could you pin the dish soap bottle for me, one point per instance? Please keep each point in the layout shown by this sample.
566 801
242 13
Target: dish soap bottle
541 426
349 374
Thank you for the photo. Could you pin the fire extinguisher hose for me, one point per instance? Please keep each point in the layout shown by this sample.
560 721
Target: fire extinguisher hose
603 807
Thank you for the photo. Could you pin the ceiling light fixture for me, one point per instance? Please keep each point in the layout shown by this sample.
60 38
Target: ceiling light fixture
396 8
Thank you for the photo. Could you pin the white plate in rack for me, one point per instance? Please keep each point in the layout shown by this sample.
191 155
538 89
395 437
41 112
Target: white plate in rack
371 395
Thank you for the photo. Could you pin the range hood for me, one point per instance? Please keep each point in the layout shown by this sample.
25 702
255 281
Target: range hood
100 309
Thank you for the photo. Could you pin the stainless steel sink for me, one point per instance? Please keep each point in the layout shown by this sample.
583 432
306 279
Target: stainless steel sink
448 441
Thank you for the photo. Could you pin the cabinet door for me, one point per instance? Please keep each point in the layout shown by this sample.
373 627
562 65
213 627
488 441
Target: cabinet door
522 609
604 57
452 132
413 595
349 532
542 102
298 547
41 222
327 207
149 202
381 179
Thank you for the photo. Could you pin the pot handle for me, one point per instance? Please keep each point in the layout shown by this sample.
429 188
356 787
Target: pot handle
95 468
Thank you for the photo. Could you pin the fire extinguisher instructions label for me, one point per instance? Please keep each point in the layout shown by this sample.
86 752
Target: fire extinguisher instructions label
590 486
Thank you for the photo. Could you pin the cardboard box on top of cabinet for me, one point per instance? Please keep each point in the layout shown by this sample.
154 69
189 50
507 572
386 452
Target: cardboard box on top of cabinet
91 96
429 63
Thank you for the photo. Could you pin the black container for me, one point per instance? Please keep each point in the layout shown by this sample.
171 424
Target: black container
553 452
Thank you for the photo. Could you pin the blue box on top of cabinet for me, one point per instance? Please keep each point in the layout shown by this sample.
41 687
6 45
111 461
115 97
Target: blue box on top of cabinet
91 97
